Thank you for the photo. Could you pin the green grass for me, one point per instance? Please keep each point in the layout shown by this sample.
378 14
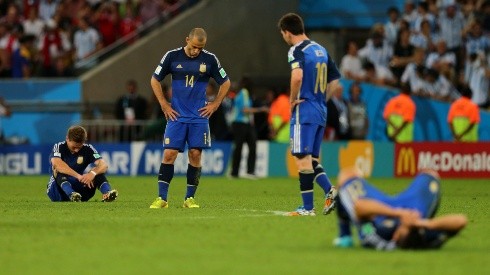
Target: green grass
234 231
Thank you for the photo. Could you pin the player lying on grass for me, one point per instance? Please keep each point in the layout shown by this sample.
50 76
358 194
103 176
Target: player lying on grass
384 222
68 160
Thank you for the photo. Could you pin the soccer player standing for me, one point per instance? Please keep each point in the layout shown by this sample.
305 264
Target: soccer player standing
188 112
312 71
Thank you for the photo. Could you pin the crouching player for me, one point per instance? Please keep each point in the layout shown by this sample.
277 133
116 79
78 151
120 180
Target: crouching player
68 160
406 220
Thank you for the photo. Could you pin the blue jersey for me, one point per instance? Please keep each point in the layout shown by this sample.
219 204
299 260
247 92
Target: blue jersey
76 161
318 70
190 77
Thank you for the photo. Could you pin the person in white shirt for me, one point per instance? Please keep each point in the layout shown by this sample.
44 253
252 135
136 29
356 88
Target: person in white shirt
86 40
442 60
351 66
392 26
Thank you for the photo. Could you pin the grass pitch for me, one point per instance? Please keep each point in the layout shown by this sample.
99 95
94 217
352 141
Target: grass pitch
237 230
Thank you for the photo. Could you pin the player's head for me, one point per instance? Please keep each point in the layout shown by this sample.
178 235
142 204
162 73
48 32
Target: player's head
195 42
75 138
291 24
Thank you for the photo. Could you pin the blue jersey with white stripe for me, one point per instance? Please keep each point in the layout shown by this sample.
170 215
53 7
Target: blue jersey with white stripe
318 70
190 77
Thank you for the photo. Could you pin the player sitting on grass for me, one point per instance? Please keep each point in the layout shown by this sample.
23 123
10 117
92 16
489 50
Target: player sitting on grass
69 159
384 222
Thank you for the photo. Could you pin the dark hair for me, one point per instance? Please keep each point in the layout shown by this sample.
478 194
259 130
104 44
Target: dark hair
466 91
292 23
393 9
405 88
77 134
246 82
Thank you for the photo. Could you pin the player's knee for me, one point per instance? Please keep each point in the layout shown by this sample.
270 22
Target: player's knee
169 155
60 178
431 172
195 157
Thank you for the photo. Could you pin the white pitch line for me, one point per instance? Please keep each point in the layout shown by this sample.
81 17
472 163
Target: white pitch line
275 212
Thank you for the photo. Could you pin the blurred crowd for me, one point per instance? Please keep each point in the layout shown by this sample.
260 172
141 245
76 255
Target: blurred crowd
46 38
437 47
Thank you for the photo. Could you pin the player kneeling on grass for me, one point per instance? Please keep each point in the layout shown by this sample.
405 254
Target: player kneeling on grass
406 220
69 159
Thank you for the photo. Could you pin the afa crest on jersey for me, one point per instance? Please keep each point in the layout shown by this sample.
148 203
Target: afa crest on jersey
80 160
202 68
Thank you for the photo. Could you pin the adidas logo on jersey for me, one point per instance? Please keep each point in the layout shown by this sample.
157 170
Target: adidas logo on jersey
179 66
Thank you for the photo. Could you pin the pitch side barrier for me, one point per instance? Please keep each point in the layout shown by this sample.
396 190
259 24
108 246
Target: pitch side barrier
375 159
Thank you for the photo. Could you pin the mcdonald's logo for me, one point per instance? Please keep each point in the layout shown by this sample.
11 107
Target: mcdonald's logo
406 161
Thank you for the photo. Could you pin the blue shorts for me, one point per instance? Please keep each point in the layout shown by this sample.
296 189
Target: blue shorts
423 195
177 134
55 193
306 139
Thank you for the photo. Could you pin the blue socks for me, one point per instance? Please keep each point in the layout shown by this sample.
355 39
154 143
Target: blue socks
321 177
193 176
165 175
306 187
105 187
66 186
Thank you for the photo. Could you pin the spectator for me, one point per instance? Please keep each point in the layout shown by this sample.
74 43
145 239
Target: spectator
476 42
477 74
377 50
107 22
351 66
86 40
4 112
438 87
33 25
358 117
337 116
442 60
392 26
47 9
463 118
378 75
129 108
403 53
8 44
61 68
243 130
279 117
399 114
410 13
22 58
423 14
424 38
53 44
413 74
155 129
451 23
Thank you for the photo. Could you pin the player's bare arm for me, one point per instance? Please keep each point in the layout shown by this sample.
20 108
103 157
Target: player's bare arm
59 166
367 209
168 111
210 108
296 81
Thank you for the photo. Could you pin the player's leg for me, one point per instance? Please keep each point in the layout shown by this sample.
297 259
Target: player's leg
239 137
251 139
344 224
199 138
54 191
68 186
101 183
173 143
302 137
321 177
423 194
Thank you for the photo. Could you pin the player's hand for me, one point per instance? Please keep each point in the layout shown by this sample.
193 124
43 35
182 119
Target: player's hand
209 109
296 102
169 112
408 217
88 180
